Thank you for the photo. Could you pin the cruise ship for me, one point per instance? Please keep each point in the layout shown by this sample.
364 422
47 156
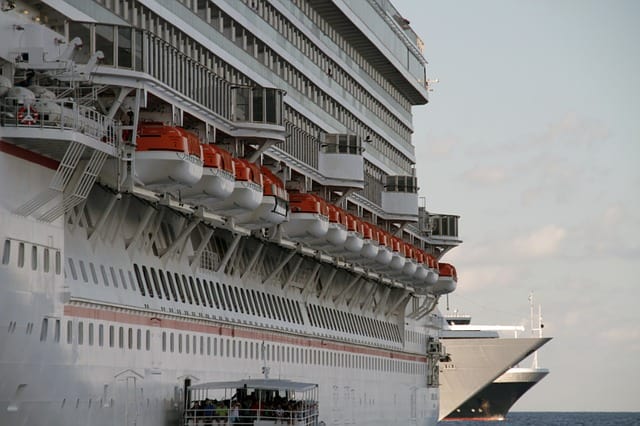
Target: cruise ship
481 378
201 195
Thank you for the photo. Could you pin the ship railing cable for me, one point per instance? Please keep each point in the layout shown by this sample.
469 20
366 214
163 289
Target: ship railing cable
221 414
61 114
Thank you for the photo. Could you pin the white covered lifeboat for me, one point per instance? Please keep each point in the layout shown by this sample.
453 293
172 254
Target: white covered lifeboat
447 280
411 265
398 260
434 271
370 247
247 190
384 254
273 209
422 268
218 177
309 218
167 157
337 233
354 241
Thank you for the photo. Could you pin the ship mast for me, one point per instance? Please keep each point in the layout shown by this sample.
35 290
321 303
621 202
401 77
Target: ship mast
538 328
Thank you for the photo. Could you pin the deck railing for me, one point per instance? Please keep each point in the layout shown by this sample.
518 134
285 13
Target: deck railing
58 114
246 417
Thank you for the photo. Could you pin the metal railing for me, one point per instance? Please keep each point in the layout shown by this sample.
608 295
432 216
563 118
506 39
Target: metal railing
58 114
222 415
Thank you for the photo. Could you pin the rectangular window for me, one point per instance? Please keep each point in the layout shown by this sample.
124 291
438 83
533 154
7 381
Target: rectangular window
114 277
58 263
147 280
139 339
21 255
44 330
147 340
123 279
164 341
193 291
136 269
100 335
163 281
46 260
172 287
6 252
112 336
179 343
93 273
69 332
185 287
180 289
56 335
121 337
90 334
80 332
83 272
171 340
156 284
105 279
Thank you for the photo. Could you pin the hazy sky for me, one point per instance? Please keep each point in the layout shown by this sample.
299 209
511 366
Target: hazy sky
532 136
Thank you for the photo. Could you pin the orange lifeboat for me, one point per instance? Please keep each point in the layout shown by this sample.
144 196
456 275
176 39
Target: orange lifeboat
370 245
247 190
309 219
447 280
218 179
383 257
167 157
273 209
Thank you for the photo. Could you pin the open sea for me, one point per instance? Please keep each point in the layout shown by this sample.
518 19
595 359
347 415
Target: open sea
559 419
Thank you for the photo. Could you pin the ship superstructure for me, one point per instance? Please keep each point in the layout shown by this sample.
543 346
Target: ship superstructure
201 190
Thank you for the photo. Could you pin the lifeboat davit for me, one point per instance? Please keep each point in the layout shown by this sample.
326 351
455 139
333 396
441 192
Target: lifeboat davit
309 219
273 209
218 177
447 280
247 190
167 157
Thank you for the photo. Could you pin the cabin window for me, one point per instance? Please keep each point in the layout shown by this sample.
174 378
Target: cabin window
164 341
93 273
124 47
121 337
201 344
163 281
21 255
237 299
139 339
105 279
214 296
221 296
80 332
34 258
100 335
179 286
179 343
90 334
46 259
225 290
44 330
200 292
147 280
171 342
172 286
114 277
148 340
136 269
156 284
206 291
83 271
112 336
123 278
105 42
186 289
56 331
6 253
208 345
69 332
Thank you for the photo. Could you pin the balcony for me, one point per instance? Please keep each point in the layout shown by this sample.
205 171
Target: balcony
257 112
340 160
440 228
400 198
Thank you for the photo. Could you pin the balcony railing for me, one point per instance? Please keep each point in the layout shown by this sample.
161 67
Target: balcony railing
58 114
256 105
401 184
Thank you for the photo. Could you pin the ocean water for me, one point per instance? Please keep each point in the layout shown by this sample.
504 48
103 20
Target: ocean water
559 419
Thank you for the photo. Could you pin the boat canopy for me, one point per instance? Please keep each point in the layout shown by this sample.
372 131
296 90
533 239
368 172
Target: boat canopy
267 384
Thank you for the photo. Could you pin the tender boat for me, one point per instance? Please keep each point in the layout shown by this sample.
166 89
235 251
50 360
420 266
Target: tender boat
167 157
247 191
218 177
273 209
410 265
397 259
422 269
309 217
